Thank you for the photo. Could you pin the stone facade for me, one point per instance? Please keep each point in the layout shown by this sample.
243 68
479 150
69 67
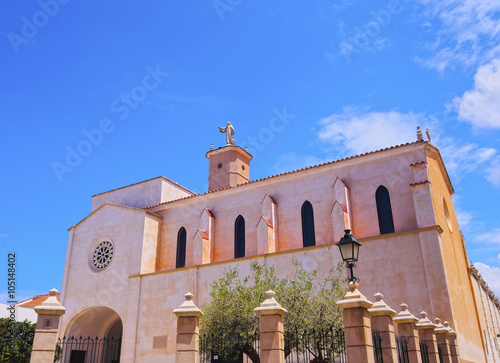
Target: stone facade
136 286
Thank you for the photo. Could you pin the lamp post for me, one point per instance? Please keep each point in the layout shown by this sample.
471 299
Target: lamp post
349 250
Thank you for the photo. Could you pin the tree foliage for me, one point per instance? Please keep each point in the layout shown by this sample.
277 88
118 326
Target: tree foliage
230 318
16 340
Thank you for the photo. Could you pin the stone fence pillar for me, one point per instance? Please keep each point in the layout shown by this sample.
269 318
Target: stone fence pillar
272 346
358 334
452 342
188 331
381 320
408 330
47 329
426 334
442 341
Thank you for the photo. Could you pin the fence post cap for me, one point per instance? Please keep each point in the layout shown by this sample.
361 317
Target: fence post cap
440 329
270 306
51 306
380 308
424 322
188 308
354 298
448 327
404 316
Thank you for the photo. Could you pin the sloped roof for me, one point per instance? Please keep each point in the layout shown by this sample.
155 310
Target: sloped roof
302 169
145 181
35 301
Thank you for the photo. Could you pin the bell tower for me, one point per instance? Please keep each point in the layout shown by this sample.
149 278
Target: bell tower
228 166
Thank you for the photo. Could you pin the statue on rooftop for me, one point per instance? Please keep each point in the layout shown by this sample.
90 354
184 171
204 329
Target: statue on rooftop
229 130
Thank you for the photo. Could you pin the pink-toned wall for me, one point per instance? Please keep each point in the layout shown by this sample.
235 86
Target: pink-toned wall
143 194
422 264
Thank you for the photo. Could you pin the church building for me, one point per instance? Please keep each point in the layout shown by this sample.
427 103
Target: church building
143 246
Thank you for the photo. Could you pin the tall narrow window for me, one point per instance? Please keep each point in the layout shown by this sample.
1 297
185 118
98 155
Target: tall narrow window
181 248
308 237
239 237
384 211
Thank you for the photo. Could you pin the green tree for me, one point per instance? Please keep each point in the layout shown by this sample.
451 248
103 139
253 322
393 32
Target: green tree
16 340
230 324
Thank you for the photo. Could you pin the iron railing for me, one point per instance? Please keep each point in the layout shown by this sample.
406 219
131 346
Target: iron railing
440 353
377 347
225 349
88 350
316 346
424 352
402 350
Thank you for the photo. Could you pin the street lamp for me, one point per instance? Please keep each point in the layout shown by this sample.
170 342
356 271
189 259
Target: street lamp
349 249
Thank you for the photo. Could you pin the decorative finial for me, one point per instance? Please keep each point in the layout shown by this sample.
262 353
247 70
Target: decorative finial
188 308
229 130
211 147
420 137
428 134
246 148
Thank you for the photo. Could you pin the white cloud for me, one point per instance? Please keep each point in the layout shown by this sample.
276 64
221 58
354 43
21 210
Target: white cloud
354 131
480 106
464 218
489 239
491 275
465 158
493 172
467 28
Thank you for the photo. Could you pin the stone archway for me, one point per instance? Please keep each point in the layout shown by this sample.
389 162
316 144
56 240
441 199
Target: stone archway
94 335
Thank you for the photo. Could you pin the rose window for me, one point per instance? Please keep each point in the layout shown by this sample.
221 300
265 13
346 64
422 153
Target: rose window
102 255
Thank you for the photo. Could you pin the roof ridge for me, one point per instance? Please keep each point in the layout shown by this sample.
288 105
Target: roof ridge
144 181
293 171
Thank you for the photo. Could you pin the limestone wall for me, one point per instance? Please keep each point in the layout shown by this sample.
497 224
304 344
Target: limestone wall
422 264
143 194
489 315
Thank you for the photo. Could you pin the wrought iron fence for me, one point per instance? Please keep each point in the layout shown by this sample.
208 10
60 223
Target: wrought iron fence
424 352
402 349
377 347
316 346
88 350
226 349
440 353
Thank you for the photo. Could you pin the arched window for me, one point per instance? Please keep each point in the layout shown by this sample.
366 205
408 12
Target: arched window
308 237
239 237
384 211
181 248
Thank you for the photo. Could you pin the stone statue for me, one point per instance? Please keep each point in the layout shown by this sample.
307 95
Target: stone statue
229 130
428 134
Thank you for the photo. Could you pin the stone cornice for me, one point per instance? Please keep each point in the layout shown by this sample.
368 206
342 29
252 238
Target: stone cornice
295 250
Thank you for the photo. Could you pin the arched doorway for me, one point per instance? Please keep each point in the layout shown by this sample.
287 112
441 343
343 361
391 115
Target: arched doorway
94 336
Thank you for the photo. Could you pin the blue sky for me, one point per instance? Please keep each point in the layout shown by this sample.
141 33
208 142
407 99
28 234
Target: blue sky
98 96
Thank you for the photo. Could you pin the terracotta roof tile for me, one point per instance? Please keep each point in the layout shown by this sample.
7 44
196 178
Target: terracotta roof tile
292 172
35 301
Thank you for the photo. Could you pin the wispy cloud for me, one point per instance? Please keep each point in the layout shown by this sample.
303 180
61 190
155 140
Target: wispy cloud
480 106
493 172
464 158
356 131
467 28
490 238
490 275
